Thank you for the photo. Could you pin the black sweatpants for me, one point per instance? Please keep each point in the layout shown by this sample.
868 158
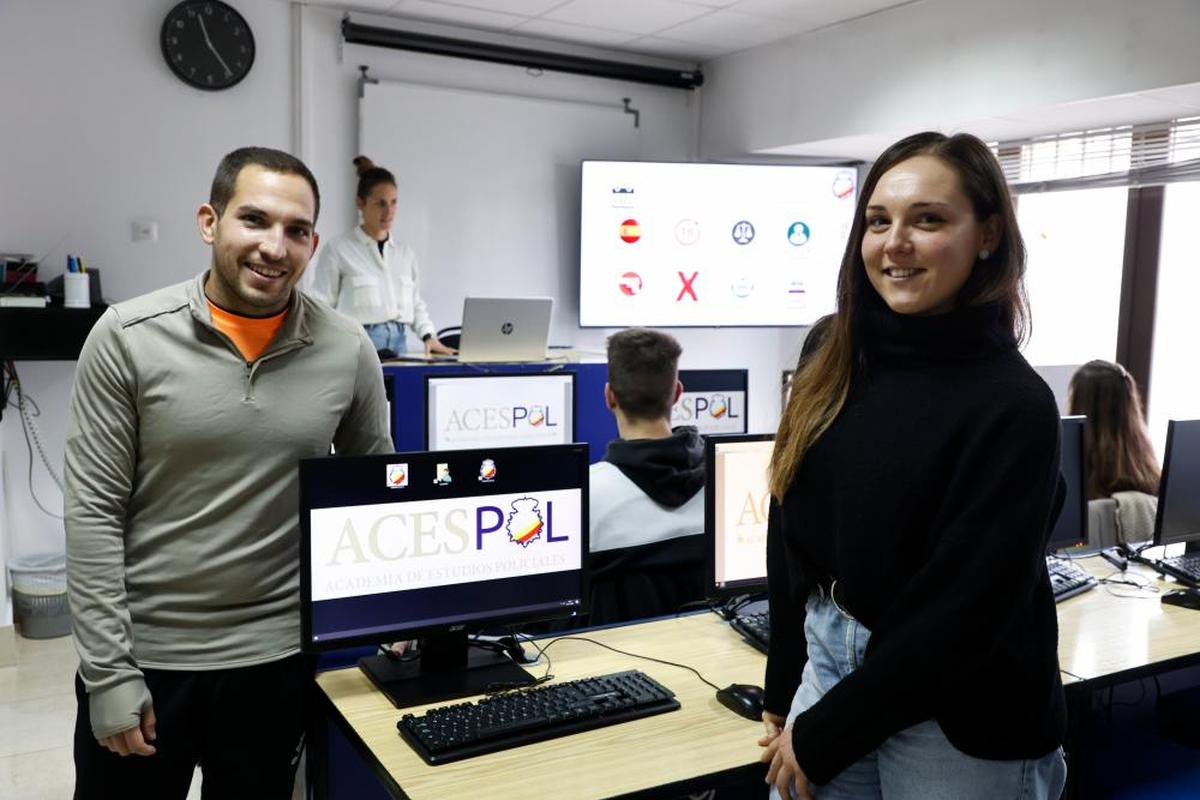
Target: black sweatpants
244 727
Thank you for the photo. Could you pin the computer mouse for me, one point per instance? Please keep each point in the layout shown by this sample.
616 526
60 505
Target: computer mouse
1186 598
743 699
385 354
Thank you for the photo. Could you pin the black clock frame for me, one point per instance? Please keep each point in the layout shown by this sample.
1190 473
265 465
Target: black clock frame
198 45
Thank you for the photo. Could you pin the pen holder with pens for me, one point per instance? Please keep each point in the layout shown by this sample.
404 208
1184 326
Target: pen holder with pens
76 290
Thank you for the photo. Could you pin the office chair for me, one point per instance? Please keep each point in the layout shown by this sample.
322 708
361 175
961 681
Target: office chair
650 580
1102 522
450 336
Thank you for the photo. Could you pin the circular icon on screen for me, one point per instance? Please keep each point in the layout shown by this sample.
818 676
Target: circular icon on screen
630 284
687 231
843 184
743 232
506 328
629 231
798 233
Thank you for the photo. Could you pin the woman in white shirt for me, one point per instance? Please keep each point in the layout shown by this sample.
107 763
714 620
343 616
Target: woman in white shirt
366 275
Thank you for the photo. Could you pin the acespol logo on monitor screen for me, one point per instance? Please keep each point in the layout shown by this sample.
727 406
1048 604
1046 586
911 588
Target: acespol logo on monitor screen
390 547
711 412
499 411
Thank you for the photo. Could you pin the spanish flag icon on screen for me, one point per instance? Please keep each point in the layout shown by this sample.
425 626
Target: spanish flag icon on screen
630 231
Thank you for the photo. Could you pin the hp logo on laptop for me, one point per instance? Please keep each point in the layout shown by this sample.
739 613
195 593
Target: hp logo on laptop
506 328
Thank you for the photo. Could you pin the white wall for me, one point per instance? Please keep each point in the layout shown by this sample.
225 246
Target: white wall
329 135
936 62
96 132
107 134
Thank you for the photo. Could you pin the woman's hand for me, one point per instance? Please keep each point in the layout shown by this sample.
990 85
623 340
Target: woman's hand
773 725
784 772
434 346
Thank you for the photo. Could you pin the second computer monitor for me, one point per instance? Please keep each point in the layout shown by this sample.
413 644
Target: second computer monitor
1178 518
713 400
736 500
1071 528
513 410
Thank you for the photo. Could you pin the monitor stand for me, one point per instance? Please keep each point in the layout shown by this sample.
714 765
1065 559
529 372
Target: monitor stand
446 669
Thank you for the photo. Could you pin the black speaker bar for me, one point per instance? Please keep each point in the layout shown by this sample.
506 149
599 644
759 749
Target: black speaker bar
502 54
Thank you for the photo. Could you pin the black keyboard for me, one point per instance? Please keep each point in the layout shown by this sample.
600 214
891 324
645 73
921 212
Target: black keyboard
451 733
1184 568
756 628
1067 579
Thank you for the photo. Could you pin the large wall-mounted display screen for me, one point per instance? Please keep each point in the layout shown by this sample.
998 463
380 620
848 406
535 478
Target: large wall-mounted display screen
682 244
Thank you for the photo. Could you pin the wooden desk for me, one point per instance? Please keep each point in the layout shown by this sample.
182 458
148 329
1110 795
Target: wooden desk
701 738
1104 640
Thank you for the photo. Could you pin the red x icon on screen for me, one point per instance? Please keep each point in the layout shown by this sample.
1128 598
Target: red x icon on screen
688 286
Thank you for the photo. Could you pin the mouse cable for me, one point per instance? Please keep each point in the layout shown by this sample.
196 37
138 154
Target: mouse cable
549 644
1127 579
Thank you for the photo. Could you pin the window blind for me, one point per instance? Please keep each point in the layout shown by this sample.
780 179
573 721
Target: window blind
1123 155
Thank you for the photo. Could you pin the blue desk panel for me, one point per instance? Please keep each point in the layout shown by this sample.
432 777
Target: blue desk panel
594 423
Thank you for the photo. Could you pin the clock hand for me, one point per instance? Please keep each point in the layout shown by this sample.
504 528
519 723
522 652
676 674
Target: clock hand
208 41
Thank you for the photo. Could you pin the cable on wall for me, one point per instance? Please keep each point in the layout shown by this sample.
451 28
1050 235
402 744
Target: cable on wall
28 409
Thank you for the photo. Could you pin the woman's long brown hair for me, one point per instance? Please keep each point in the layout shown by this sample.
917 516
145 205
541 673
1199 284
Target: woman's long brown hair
1120 457
822 381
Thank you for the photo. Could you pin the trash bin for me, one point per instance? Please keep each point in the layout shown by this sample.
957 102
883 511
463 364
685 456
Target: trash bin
39 585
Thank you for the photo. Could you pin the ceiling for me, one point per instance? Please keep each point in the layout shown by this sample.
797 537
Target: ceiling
685 30
695 31
1159 105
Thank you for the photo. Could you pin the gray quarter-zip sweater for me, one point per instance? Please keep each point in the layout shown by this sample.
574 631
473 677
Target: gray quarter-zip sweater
182 489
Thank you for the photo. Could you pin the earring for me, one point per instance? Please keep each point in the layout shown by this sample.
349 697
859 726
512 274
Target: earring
983 255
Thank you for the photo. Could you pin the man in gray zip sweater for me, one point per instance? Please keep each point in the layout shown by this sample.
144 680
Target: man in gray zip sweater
191 407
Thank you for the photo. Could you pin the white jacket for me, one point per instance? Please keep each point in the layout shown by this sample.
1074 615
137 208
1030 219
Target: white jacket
355 279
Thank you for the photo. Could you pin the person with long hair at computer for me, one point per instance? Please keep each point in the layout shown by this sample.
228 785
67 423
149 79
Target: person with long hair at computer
370 277
915 479
1120 457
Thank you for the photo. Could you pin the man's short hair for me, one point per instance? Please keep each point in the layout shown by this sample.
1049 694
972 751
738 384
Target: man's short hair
225 181
643 366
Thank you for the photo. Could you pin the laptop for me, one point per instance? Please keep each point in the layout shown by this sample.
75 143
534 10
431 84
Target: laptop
505 329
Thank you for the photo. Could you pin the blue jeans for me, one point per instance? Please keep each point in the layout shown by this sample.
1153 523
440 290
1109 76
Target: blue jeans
917 763
387 336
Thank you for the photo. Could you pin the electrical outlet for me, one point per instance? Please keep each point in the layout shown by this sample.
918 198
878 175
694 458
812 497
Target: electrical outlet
144 230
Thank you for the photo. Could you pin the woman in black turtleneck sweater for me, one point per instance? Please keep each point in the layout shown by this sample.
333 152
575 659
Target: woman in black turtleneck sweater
915 479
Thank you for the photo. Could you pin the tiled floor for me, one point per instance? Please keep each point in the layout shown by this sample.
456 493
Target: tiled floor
37 721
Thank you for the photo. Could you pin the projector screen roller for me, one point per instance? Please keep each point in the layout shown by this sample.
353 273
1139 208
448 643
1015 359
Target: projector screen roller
680 244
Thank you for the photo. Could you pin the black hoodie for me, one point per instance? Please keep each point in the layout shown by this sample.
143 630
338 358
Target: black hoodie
670 471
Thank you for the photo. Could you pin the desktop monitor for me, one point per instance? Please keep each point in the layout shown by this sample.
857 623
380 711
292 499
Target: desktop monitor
1071 528
713 400
513 410
434 546
736 501
1178 518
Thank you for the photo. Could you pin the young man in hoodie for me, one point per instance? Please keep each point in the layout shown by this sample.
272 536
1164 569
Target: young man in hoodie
648 487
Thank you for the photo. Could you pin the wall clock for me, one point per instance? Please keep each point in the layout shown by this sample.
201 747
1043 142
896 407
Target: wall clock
207 43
